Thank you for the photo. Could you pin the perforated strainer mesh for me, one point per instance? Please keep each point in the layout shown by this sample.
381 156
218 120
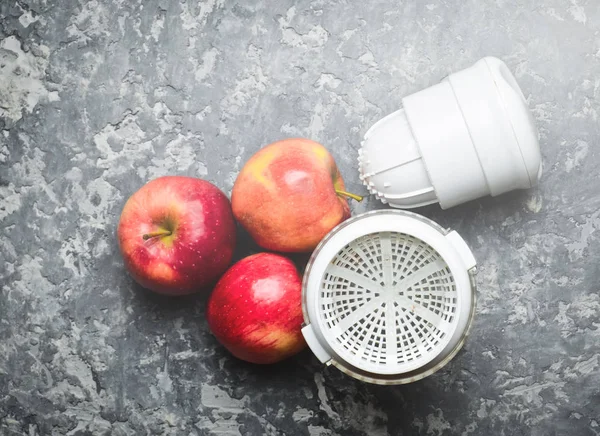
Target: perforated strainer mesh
389 302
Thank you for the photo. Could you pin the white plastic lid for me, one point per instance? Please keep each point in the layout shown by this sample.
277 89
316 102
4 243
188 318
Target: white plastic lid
469 136
388 297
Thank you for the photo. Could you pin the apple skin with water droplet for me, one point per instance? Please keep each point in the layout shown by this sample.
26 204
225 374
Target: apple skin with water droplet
255 310
177 235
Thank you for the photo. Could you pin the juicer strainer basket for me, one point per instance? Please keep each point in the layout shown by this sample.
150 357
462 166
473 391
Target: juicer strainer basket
388 297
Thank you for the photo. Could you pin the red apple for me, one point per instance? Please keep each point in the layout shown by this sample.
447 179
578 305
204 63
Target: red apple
255 310
289 195
177 235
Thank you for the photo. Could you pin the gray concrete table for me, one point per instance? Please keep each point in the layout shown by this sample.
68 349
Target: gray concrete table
98 97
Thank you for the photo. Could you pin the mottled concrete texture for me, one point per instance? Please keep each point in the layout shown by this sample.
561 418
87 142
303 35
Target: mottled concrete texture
98 97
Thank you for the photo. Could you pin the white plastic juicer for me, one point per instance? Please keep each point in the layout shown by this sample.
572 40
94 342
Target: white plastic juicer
389 296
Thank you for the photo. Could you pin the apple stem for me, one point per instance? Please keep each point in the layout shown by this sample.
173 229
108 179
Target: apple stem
156 234
349 195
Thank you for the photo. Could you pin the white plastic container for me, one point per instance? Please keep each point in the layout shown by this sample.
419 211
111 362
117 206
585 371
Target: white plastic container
469 136
388 297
